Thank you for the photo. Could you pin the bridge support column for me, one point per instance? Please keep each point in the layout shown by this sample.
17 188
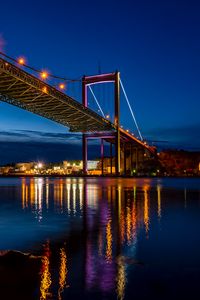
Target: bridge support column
84 153
117 124
102 157
111 158
84 138
125 169
131 157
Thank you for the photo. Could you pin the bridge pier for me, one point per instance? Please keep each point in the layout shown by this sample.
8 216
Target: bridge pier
102 157
84 153
111 158
125 169
117 125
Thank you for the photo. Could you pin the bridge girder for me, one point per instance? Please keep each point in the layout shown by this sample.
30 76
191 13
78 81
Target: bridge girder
21 89
24 90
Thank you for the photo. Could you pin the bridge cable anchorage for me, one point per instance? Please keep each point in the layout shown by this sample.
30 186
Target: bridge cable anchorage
130 108
97 102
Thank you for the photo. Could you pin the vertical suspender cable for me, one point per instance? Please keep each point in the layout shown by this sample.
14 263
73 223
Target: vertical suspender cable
96 101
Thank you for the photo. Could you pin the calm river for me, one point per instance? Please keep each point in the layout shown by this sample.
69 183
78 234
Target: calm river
99 238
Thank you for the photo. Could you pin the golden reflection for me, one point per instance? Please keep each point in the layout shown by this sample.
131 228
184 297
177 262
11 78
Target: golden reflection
80 185
146 208
119 202
32 192
128 224
35 194
68 186
74 197
58 194
122 226
23 192
92 195
61 193
134 221
45 275
38 197
134 193
62 272
47 195
108 241
159 200
26 196
121 279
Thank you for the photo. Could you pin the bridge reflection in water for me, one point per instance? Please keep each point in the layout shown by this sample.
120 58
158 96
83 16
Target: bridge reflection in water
105 218
99 238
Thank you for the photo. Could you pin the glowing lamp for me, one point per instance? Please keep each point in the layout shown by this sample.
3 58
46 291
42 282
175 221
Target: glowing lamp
107 116
21 61
40 165
44 89
62 86
44 75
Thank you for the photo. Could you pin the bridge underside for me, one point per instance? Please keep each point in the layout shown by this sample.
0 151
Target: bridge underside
21 89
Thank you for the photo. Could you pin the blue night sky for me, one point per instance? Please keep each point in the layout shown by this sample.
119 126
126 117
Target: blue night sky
154 44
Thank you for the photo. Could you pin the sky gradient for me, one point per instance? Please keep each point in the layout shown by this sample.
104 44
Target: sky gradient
154 44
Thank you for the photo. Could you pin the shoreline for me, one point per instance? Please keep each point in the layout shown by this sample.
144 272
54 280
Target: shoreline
91 176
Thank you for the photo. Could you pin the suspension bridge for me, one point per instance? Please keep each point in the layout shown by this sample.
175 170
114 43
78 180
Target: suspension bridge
23 89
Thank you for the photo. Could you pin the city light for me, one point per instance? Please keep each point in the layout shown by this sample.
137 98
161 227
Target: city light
107 116
40 165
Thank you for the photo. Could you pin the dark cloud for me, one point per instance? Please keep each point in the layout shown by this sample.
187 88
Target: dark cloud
29 145
47 152
38 136
187 137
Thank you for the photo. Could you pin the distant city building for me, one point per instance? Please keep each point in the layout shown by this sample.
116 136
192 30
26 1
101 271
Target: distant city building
179 162
168 163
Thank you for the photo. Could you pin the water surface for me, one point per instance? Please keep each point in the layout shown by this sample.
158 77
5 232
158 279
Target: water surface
100 238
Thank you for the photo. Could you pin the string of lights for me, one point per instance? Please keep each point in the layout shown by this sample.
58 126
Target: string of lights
43 74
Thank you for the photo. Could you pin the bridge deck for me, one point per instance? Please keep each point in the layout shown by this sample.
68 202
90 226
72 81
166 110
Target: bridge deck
26 91
21 89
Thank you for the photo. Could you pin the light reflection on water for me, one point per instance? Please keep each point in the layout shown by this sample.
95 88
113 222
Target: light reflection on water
95 235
